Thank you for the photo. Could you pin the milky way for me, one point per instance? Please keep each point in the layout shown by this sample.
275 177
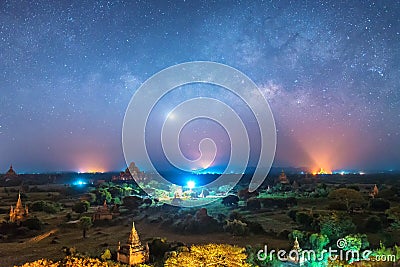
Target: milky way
330 71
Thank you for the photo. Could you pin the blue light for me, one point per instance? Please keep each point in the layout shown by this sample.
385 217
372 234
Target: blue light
80 182
191 184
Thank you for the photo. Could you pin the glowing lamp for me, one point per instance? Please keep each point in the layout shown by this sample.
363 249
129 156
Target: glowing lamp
191 184
80 182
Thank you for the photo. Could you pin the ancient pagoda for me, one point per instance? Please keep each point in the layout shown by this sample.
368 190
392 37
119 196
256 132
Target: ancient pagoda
375 192
103 213
283 178
133 252
19 213
296 256
10 173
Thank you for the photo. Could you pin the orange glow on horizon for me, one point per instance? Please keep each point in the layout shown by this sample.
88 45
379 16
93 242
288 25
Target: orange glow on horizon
322 171
90 163
92 170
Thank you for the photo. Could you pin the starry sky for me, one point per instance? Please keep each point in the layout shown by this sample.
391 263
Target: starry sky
329 69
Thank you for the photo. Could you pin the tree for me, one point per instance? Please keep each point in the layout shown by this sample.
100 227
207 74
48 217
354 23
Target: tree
304 219
236 227
373 224
356 242
379 204
301 236
81 207
117 201
209 255
350 197
244 194
44 206
92 197
394 215
230 200
336 227
105 195
106 255
85 223
132 202
318 241
253 204
388 194
33 223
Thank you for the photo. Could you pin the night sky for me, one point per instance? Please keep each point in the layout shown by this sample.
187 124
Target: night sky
329 69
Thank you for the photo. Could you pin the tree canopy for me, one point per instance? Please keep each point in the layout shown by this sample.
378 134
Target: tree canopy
209 255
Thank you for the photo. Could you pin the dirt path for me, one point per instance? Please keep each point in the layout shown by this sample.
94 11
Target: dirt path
41 237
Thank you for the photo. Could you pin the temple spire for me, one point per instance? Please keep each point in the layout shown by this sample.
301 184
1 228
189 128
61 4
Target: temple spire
296 245
19 202
133 237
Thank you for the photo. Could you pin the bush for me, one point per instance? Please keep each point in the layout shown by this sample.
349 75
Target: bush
52 209
379 204
45 206
290 201
336 227
253 204
301 236
200 223
209 255
132 202
158 247
356 242
236 227
373 224
4 211
275 202
255 227
244 194
235 215
337 205
33 224
106 255
388 194
318 242
283 234
68 217
350 197
292 214
147 201
230 200
20 231
354 187
305 219
81 207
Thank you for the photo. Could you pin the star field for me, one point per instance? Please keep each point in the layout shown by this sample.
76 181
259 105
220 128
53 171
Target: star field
329 69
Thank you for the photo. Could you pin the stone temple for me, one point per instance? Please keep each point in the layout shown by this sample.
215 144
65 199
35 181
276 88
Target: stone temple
133 252
10 173
19 213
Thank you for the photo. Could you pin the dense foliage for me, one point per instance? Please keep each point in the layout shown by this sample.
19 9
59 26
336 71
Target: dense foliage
209 255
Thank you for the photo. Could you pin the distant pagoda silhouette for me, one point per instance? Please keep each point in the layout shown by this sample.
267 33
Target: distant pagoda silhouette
283 178
10 173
